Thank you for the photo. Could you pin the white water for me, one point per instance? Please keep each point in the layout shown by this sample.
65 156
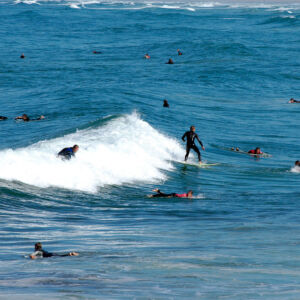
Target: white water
124 150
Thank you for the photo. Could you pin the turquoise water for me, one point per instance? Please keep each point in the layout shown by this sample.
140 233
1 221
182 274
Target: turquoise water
238 238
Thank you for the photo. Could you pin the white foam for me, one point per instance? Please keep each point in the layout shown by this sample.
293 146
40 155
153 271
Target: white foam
125 150
295 169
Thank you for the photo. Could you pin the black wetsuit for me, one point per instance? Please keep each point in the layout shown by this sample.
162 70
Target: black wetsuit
3 118
66 153
43 253
160 194
190 143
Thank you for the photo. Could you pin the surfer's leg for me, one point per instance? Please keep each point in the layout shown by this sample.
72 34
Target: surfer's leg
195 148
188 148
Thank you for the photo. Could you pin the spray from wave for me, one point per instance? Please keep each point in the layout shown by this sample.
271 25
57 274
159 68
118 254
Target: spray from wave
125 150
295 169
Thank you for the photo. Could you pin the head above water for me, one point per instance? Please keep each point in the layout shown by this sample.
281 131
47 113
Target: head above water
292 100
193 128
75 148
38 246
25 117
257 150
190 194
297 163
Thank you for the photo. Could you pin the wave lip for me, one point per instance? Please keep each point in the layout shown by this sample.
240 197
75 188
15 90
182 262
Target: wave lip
125 150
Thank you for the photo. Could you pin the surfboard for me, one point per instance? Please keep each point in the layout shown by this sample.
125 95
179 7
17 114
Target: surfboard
203 165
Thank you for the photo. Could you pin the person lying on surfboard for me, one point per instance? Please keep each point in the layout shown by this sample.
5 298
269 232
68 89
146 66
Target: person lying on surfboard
159 194
292 100
190 143
256 151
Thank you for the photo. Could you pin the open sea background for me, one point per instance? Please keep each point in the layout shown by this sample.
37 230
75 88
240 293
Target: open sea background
238 238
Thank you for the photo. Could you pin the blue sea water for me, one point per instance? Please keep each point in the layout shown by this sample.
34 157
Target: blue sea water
238 238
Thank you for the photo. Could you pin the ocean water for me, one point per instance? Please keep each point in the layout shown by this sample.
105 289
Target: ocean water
238 238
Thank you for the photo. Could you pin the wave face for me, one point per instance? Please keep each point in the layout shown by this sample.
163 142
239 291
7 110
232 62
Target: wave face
126 149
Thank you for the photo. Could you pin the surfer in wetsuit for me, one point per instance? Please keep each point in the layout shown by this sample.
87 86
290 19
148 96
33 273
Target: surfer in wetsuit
25 118
256 151
292 100
159 194
39 252
68 153
190 143
3 118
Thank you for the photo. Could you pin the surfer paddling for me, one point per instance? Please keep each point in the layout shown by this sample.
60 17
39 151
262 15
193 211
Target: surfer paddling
292 100
255 151
39 252
190 143
159 194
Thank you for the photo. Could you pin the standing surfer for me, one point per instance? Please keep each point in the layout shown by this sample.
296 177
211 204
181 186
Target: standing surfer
190 143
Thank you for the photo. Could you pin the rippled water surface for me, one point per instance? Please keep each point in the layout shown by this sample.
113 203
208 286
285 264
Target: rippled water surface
238 238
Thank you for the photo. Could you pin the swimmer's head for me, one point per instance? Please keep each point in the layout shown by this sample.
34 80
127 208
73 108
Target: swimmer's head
257 150
190 194
38 246
75 148
297 163
292 100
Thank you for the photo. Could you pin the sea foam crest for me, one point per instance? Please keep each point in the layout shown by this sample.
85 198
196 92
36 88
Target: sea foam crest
125 150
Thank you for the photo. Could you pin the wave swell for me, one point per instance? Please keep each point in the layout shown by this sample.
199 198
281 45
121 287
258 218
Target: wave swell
125 150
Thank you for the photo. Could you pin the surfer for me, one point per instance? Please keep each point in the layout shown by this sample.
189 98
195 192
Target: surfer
3 118
179 52
97 52
22 55
68 153
147 56
292 100
39 252
190 143
166 104
256 151
25 118
159 194
297 163
170 61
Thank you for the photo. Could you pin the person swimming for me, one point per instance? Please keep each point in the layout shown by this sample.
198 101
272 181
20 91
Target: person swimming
25 118
22 55
297 163
68 153
159 194
190 143
97 52
179 52
3 118
147 56
40 253
166 104
170 61
256 151
292 100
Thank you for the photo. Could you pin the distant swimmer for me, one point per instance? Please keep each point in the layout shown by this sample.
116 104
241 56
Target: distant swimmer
159 194
68 153
25 118
166 104
179 52
97 52
22 55
190 143
292 100
147 56
256 151
3 118
170 61
40 253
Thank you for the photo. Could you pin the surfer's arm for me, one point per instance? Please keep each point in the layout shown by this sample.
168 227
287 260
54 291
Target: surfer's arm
200 142
183 137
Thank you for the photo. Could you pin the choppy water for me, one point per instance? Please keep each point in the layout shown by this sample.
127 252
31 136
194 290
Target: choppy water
238 238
